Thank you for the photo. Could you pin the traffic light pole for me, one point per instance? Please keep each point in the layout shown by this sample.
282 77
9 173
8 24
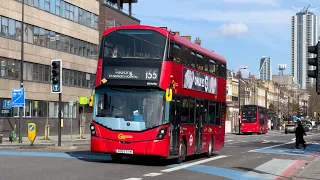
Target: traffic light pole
56 87
59 120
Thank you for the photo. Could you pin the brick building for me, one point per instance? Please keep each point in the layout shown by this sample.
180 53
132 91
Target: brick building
112 13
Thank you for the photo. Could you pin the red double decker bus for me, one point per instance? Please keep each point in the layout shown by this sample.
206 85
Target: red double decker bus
254 119
157 94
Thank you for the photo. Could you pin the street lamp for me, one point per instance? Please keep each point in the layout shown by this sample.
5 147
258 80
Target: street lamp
239 72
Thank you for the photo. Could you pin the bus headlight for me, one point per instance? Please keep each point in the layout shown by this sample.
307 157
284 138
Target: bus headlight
162 132
93 130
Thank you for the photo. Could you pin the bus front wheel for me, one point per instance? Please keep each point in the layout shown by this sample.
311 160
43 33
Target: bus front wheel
116 157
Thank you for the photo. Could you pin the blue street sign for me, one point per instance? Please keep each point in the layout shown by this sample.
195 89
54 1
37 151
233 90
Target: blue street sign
6 104
302 118
18 97
294 118
31 127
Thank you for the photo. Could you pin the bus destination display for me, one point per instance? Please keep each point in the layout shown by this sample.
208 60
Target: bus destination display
132 73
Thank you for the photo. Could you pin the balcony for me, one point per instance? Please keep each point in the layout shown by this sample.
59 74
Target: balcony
113 4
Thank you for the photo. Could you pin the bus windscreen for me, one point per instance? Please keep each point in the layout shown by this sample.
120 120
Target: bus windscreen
249 114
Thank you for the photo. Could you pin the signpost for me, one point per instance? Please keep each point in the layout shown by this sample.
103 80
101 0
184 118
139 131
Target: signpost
18 100
83 100
71 107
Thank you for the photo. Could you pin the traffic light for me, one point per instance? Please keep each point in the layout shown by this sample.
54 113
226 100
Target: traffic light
315 61
56 76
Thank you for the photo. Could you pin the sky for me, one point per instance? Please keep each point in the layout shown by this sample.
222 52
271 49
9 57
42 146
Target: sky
242 31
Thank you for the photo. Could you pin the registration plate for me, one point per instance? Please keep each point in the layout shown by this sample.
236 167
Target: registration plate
124 151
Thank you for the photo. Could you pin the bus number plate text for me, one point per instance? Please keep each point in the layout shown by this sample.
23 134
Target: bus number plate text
124 151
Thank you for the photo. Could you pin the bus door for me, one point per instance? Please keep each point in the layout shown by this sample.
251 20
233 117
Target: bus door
174 125
198 125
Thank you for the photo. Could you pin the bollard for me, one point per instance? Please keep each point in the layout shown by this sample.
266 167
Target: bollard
1 135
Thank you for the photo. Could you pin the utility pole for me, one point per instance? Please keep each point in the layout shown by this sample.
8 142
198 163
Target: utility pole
21 72
239 93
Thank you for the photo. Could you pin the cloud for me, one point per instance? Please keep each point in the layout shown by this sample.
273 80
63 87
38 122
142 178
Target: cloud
195 13
231 30
260 2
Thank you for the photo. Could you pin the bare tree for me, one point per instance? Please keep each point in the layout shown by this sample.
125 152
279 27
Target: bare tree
314 99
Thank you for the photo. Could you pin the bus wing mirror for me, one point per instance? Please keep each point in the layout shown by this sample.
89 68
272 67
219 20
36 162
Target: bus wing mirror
169 95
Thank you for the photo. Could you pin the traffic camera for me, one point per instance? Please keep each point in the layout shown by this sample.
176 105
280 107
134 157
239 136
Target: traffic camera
56 76
315 61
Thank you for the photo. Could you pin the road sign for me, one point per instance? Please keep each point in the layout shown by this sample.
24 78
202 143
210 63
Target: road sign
18 97
6 104
70 103
294 118
83 100
32 132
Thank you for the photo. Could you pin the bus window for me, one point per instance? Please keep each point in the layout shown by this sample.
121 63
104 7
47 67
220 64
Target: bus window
185 56
178 109
199 62
185 110
175 53
212 66
223 71
199 111
193 59
172 109
218 114
218 68
192 110
141 44
212 112
205 62
205 112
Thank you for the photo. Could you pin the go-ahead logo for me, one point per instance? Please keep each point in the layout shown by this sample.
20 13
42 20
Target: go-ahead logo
122 136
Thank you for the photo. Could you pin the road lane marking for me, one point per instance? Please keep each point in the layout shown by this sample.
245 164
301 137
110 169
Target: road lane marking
133 179
152 174
271 146
58 155
192 164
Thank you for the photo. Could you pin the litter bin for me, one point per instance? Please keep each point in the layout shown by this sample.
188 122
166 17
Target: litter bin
236 128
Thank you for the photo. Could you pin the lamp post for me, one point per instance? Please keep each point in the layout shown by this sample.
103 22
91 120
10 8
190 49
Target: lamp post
21 72
239 72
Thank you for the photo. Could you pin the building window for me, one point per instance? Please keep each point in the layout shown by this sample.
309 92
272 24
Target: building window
4 27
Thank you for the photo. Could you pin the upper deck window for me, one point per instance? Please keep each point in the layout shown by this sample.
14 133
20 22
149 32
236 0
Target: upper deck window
134 43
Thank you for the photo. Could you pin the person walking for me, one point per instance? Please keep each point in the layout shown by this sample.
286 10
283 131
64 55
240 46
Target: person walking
299 136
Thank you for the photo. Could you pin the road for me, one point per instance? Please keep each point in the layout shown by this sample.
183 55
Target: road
254 157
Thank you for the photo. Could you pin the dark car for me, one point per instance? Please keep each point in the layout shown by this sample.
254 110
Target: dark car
290 128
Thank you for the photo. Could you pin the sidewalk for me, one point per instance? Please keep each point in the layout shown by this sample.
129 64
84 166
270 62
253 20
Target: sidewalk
311 171
53 141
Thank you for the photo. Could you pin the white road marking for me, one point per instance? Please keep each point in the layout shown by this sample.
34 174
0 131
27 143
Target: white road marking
152 174
272 146
133 179
192 164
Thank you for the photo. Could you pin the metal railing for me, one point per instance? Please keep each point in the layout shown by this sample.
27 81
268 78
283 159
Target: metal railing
115 6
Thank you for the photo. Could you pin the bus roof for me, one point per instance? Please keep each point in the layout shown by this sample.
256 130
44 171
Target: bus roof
173 37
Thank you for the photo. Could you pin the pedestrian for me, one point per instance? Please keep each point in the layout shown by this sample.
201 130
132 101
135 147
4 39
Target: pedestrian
299 136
